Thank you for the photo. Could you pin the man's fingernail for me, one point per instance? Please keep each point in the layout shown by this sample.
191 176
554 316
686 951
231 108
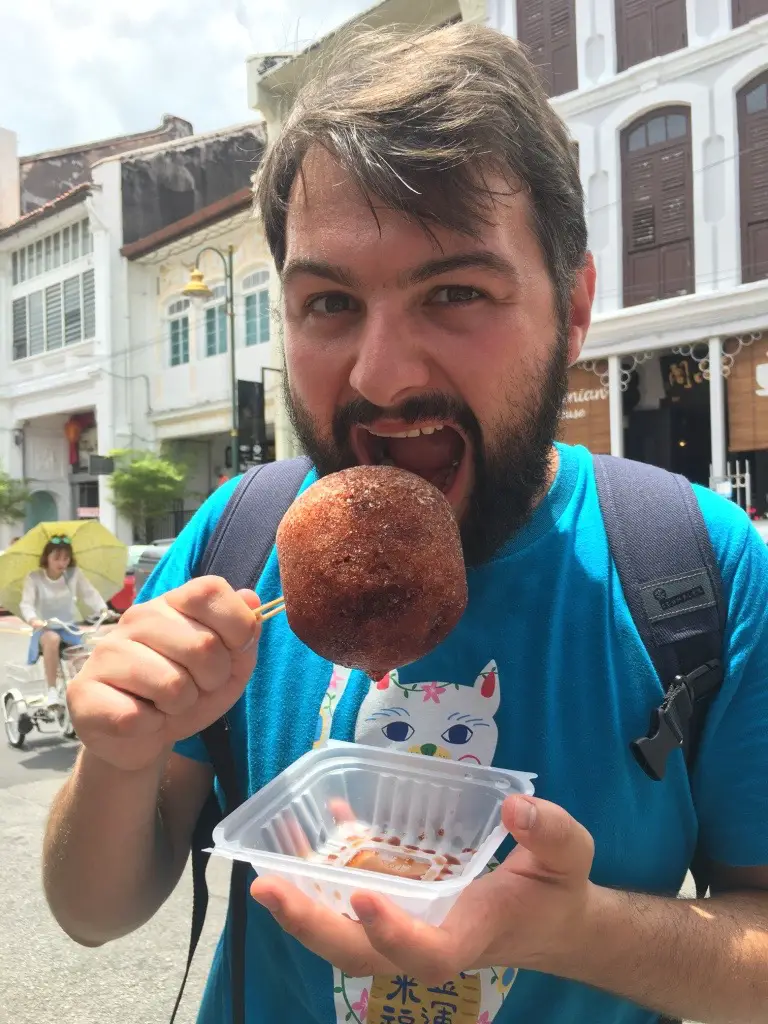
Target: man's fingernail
365 910
269 901
525 814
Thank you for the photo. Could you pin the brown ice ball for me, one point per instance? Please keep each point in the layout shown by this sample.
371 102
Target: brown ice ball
372 568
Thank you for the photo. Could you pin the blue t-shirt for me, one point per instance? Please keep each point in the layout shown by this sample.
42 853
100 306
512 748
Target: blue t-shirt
551 678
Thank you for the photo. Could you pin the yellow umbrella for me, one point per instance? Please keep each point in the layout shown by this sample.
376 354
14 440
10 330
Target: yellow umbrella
98 553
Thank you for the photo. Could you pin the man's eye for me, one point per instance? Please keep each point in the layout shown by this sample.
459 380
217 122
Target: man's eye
456 293
328 305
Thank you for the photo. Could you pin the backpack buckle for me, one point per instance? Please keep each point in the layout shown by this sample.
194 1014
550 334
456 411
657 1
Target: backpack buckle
668 728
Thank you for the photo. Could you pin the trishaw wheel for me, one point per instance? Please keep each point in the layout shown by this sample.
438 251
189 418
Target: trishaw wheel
16 736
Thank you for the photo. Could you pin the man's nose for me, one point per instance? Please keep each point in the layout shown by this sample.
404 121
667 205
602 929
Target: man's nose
390 362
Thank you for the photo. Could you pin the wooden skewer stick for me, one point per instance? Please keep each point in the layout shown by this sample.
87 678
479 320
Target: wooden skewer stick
275 608
271 604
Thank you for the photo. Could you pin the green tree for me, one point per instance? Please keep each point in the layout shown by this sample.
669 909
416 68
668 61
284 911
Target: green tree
145 484
14 496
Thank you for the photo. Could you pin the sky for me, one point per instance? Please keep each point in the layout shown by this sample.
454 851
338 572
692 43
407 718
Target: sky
73 71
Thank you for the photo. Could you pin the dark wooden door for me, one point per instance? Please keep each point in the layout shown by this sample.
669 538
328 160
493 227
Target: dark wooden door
752 107
744 11
648 28
657 206
548 29
649 437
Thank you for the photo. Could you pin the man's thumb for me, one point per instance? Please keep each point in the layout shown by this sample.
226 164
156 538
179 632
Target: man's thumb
550 842
250 598
244 660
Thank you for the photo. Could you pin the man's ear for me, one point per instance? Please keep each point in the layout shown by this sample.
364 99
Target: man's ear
582 297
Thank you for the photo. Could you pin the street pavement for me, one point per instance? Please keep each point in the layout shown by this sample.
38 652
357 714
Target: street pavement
48 978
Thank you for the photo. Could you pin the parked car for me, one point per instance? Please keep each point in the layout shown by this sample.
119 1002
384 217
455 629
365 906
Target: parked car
148 558
123 599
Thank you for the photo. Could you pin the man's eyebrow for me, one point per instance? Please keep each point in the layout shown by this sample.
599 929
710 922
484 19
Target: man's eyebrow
319 268
479 260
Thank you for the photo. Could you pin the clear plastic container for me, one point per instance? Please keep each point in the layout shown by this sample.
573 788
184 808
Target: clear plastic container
429 826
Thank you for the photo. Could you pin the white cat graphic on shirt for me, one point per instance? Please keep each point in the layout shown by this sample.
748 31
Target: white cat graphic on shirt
436 719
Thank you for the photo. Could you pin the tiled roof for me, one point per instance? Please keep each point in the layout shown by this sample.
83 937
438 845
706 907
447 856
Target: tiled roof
62 202
139 138
255 127
210 214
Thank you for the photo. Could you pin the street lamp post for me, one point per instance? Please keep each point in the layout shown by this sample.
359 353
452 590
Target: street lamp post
196 288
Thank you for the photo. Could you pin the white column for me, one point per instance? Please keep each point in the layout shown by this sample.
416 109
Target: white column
615 406
105 433
717 407
285 442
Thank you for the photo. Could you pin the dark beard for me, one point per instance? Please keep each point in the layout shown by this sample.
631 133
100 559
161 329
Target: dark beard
511 473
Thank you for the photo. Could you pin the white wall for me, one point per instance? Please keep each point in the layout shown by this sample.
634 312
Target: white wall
705 76
42 391
47 461
193 399
9 178
113 398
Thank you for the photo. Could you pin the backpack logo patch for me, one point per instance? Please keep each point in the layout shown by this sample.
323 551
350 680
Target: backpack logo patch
666 599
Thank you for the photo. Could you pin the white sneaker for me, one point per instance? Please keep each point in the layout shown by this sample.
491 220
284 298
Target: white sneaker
53 700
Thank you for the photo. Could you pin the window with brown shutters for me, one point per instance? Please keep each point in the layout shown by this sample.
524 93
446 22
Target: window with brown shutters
548 29
752 107
648 28
657 206
744 11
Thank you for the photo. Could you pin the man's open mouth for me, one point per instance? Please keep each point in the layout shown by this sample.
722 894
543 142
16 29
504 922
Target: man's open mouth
435 450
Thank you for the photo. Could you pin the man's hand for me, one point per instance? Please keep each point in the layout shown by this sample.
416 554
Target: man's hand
528 912
169 669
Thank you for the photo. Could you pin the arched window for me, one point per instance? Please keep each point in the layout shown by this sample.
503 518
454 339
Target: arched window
752 107
744 11
216 321
178 331
256 291
548 29
647 29
657 206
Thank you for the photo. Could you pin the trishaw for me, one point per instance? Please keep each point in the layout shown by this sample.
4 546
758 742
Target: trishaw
25 702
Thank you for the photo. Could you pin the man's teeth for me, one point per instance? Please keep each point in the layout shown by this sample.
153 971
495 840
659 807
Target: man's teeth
415 432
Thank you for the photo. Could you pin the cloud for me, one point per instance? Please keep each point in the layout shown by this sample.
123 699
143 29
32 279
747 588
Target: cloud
74 70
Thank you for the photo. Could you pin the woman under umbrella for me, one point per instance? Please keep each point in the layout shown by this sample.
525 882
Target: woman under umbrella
53 591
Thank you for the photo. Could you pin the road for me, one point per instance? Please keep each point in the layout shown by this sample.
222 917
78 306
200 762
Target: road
48 977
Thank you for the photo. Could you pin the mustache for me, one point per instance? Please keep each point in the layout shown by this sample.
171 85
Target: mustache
435 405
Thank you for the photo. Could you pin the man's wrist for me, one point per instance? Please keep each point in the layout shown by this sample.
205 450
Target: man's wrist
589 944
90 764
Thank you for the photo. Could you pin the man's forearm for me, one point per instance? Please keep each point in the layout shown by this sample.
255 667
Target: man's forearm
107 865
704 960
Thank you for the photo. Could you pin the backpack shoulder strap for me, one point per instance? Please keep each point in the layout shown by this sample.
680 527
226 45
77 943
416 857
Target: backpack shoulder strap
671 581
242 540
237 551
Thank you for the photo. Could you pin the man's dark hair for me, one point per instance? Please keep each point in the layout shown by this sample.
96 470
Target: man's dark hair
420 121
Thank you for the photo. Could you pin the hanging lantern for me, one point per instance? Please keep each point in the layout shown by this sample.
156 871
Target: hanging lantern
72 431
